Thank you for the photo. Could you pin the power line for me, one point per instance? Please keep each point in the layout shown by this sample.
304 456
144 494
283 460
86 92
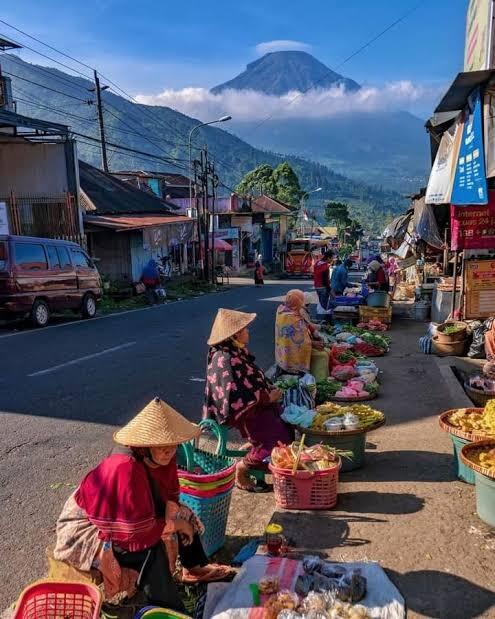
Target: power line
65 94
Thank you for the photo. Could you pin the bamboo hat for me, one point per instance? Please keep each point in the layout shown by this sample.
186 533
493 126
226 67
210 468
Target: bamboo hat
227 323
157 425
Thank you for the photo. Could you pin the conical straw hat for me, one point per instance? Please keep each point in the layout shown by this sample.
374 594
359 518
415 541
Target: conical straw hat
158 424
227 323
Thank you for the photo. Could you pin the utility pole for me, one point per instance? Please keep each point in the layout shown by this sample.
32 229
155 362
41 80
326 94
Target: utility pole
98 89
206 218
198 215
214 185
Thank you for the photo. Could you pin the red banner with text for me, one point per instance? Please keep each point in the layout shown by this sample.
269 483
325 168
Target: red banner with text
473 227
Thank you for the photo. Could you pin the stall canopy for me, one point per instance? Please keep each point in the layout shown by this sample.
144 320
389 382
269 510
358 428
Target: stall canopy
457 95
425 224
397 228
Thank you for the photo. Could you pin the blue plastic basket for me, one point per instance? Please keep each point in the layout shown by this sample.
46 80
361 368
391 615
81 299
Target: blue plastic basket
214 514
463 472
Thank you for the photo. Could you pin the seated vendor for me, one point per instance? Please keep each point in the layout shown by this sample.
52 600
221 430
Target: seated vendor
295 335
239 395
125 518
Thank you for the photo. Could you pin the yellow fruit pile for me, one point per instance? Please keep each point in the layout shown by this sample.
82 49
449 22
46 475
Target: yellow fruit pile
483 422
367 416
484 457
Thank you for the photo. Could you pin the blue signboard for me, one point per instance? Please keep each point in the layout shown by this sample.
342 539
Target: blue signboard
470 180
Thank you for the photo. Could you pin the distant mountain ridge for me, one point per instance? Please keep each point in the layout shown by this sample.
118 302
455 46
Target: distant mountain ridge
163 131
278 73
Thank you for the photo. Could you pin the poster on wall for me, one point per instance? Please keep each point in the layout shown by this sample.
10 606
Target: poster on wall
473 227
479 29
441 179
470 180
4 218
479 284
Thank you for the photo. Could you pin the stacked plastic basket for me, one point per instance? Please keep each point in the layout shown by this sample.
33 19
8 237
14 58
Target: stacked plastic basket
206 482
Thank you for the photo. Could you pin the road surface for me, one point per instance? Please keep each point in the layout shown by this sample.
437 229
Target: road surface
64 389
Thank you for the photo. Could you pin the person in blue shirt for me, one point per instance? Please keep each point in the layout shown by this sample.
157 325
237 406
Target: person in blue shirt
340 276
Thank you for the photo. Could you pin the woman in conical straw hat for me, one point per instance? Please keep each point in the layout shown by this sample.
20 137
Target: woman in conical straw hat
125 518
239 395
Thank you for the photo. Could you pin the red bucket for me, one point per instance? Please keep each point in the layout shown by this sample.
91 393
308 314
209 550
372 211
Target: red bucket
306 489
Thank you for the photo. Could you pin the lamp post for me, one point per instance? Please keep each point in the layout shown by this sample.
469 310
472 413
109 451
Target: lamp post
191 133
301 209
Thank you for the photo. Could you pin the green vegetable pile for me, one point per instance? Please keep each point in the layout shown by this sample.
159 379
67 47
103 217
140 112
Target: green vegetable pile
374 339
372 388
326 389
286 384
451 329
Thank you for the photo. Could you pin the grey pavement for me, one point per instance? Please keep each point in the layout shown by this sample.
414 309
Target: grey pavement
65 388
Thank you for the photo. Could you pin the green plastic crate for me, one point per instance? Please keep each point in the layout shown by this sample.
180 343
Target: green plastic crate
485 498
463 472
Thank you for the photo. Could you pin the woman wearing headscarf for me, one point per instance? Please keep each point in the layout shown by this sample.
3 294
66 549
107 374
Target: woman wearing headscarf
295 336
125 520
377 278
151 280
239 395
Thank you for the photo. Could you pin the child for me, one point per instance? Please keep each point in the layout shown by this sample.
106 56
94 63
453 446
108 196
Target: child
259 271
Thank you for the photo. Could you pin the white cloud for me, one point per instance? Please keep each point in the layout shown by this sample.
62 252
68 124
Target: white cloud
281 45
249 105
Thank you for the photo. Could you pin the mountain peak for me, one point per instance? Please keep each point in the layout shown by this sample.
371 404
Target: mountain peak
278 73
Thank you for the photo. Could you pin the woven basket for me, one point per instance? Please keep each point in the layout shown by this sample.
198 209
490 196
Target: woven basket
476 467
450 349
305 489
383 314
459 336
445 424
478 397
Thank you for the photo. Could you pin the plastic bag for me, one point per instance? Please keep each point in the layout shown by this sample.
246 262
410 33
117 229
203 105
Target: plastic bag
477 348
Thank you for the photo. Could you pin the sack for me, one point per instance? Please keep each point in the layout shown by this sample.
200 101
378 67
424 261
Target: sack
300 396
140 288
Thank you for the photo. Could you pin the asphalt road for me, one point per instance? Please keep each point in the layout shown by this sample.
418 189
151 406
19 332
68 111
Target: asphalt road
64 389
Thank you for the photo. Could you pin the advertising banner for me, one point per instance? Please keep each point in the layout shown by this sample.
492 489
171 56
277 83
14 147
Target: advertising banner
473 227
489 127
439 190
477 48
470 180
479 289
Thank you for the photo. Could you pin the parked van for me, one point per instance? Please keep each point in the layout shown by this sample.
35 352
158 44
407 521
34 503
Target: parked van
39 276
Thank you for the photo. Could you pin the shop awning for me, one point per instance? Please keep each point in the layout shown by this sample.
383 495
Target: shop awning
456 97
221 245
136 222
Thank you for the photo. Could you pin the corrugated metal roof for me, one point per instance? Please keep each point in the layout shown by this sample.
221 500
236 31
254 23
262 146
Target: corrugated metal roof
136 222
265 204
457 95
177 180
110 195
11 119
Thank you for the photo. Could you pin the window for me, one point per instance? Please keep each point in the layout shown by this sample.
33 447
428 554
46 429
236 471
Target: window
63 258
80 259
53 256
30 257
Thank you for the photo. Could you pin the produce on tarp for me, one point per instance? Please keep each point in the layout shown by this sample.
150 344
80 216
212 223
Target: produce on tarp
326 389
286 382
353 389
372 325
343 373
368 350
376 340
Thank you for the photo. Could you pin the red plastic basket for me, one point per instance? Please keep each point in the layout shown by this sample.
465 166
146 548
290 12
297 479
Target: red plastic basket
306 489
49 599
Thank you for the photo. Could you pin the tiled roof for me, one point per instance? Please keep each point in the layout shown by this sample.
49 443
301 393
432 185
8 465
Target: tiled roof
265 204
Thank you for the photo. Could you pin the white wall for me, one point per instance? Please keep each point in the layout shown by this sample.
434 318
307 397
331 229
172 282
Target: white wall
28 168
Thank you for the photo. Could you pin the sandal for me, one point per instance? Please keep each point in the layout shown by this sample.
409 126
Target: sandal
217 573
260 487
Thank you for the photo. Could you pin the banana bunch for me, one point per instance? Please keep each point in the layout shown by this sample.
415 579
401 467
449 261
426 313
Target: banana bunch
367 416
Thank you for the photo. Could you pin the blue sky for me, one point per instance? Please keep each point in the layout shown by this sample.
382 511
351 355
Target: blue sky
149 46
204 42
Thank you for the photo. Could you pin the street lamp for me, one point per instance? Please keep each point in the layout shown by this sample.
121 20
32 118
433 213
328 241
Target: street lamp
191 133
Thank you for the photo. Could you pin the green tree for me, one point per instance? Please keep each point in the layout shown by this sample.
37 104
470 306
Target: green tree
349 230
281 183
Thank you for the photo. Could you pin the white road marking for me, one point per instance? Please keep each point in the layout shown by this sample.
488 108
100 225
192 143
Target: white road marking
240 307
54 368
197 380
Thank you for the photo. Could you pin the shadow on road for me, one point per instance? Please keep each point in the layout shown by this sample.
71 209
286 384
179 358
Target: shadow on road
379 503
440 595
404 466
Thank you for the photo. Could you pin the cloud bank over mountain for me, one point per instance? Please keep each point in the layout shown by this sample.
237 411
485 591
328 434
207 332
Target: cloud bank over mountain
281 45
248 105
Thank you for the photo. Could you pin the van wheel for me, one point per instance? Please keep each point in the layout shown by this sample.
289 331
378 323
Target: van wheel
40 313
89 306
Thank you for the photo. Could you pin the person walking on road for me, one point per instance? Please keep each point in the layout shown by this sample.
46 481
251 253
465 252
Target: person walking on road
259 272
321 278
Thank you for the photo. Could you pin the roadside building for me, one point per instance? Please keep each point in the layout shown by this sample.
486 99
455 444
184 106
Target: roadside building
126 227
